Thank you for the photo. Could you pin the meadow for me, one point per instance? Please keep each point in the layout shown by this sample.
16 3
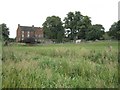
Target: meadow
84 65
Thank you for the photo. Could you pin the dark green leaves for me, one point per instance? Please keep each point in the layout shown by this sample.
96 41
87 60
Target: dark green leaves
53 29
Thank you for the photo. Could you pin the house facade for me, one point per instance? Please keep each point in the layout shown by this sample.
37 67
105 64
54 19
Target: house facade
29 32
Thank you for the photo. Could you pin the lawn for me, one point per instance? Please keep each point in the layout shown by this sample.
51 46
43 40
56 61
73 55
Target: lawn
84 65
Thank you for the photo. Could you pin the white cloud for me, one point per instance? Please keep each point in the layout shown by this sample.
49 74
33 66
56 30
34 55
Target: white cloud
29 12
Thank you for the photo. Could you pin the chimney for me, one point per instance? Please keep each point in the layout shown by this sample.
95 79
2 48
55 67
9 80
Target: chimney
18 25
33 26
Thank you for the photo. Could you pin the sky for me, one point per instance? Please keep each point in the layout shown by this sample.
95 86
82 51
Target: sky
35 12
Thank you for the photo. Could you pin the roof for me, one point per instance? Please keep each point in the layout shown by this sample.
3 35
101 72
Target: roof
28 28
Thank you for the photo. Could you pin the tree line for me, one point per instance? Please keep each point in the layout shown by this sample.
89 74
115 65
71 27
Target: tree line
74 26
77 26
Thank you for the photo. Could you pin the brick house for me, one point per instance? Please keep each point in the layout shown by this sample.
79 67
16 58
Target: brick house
27 32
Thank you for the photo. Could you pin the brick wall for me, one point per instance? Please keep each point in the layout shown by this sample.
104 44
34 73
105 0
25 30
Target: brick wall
18 37
38 33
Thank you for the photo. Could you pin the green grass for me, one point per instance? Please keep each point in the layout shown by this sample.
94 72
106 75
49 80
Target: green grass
84 65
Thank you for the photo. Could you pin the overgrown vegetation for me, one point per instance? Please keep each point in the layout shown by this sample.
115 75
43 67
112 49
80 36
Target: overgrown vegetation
91 65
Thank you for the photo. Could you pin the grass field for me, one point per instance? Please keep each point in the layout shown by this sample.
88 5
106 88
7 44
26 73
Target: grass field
84 65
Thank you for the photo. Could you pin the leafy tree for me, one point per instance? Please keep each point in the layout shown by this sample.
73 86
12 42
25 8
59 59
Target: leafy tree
84 28
53 29
77 25
114 30
96 32
72 23
68 24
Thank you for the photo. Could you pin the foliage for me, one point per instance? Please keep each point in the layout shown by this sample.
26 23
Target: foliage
96 32
114 30
106 36
77 25
85 65
5 32
53 29
11 39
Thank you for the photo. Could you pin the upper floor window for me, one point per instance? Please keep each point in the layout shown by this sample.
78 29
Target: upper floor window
36 35
22 34
28 34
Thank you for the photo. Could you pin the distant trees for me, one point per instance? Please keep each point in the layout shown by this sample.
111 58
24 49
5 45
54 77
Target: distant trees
53 29
77 26
114 31
74 26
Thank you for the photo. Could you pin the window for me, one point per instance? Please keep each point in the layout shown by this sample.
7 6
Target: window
28 34
22 38
22 33
35 35
35 39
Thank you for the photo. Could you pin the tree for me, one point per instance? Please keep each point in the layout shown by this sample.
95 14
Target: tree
72 23
84 28
77 25
96 32
5 32
53 29
114 30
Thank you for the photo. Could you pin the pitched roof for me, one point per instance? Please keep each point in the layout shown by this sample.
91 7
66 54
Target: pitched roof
28 28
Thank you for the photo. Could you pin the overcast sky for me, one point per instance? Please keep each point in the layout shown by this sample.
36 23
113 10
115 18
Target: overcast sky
34 12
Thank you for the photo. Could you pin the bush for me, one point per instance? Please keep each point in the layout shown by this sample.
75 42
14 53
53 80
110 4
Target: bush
29 40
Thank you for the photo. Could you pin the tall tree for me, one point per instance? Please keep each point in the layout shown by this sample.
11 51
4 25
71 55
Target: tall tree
53 28
114 30
84 27
69 24
76 25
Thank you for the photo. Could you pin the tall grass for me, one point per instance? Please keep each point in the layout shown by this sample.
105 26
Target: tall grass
92 65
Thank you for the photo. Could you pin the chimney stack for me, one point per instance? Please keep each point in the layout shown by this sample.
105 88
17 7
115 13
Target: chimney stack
32 25
18 25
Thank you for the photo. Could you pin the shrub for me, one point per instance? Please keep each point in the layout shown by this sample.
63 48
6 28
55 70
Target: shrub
29 40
